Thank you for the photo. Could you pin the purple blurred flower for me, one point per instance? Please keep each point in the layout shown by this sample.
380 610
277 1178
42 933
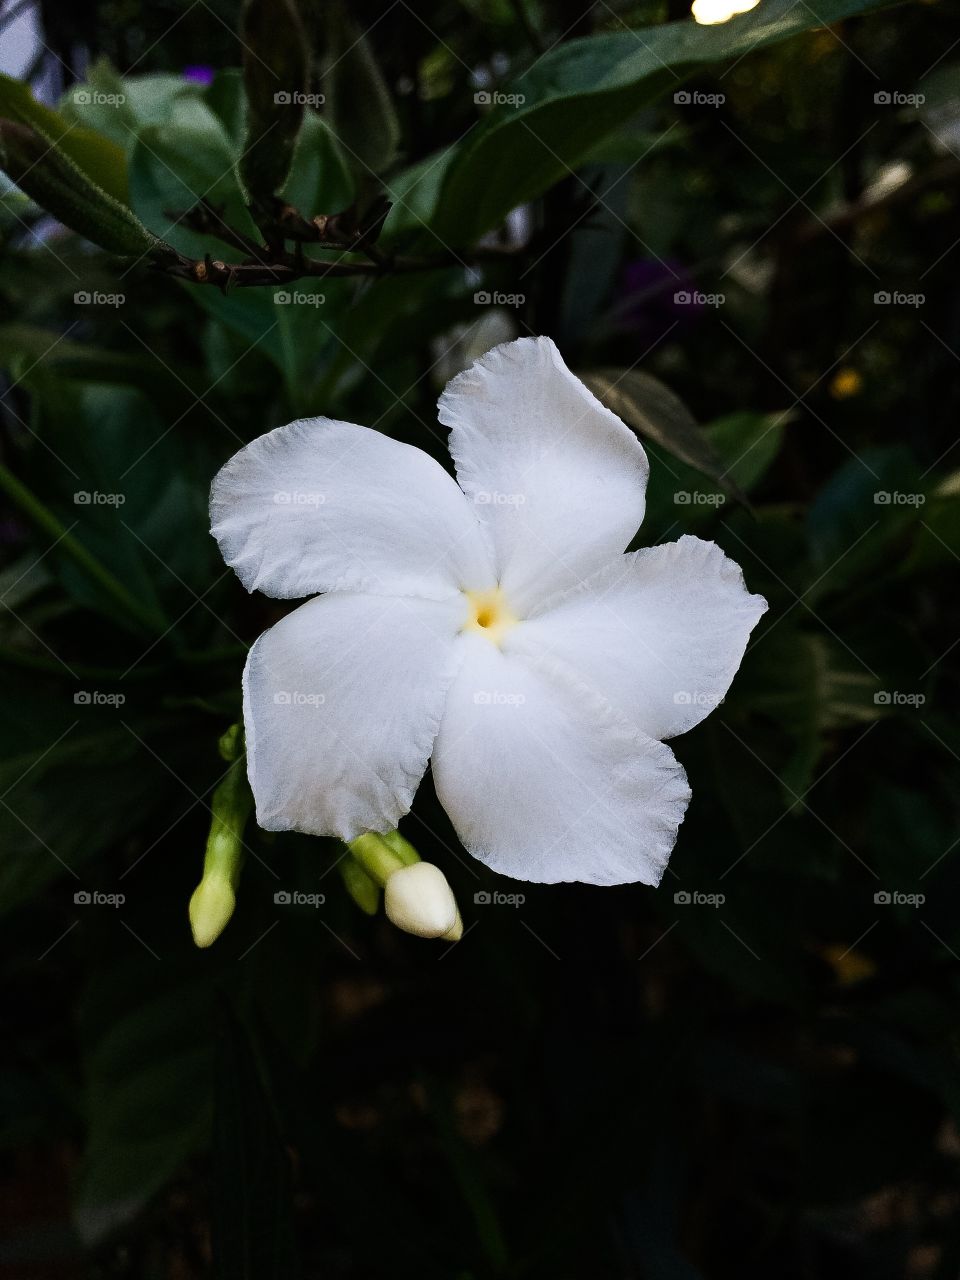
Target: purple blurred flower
198 74
654 294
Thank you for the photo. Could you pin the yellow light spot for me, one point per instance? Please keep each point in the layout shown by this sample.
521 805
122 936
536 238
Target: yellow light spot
849 966
489 614
709 12
846 383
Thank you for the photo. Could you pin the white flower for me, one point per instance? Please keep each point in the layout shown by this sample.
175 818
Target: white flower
497 627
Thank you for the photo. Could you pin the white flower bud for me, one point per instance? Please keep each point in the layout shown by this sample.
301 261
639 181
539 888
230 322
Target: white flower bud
419 900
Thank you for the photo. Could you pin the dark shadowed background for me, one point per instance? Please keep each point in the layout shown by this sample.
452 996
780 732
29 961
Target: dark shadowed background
751 1071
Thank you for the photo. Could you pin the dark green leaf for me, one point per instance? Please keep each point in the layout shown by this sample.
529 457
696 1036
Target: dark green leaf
581 92
50 178
101 160
276 67
653 410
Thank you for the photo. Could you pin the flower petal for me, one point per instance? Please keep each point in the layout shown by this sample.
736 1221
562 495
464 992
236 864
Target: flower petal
320 505
660 632
341 703
557 479
544 781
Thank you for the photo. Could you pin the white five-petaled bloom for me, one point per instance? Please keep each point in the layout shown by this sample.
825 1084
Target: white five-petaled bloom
497 627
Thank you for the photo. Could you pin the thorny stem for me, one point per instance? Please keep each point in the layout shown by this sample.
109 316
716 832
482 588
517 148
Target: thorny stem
271 263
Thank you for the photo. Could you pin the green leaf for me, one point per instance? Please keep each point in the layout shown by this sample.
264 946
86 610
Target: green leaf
653 410
50 178
748 442
101 160
867 508
118 106
276 69
145 1027
227 99
177 164
359 102
583 91
319 180
76 784
811 686
29 344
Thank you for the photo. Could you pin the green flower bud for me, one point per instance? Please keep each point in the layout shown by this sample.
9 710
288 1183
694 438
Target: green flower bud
214 898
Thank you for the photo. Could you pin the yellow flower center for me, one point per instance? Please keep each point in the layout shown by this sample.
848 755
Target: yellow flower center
489 614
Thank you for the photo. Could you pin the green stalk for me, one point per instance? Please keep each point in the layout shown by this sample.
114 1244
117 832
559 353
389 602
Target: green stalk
44 519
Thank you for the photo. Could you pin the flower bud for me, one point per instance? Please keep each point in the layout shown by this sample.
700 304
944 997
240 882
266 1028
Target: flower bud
214 898
211 907
419 900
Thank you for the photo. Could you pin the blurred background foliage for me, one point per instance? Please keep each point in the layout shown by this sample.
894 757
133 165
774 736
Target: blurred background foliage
611 1082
